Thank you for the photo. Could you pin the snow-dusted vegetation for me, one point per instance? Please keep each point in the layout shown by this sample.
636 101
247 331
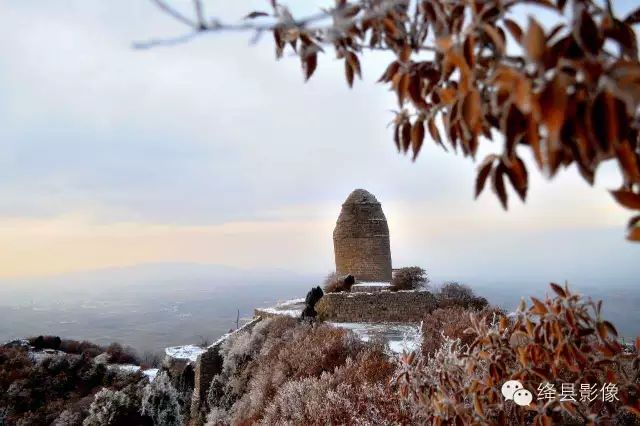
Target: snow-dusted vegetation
286 371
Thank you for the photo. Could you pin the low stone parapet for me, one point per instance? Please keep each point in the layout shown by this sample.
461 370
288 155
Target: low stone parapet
207 365
370 287
400 306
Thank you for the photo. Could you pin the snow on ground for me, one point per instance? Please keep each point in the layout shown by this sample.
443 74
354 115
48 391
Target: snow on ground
187 352
291 308
398 337
126 368
284 312
39 356
373 284
151 373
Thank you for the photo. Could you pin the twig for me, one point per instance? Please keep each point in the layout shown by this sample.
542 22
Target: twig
214 25
174 13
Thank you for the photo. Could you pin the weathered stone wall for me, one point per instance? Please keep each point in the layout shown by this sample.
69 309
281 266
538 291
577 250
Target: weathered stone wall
361 239
401 306
209 364
370 287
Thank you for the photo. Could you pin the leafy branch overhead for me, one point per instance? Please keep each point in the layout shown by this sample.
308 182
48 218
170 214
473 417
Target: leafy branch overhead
465 72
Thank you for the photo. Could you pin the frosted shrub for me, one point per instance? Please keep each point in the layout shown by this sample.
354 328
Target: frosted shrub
327 400
456 294
107 407
555 341
411 278
161 402
217 416
67 418
451 321
287 372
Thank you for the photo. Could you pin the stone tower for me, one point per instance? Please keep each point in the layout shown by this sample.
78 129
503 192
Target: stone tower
361 239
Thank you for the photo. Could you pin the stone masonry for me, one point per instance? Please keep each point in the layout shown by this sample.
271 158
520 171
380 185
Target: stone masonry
361 239
401 306
209 364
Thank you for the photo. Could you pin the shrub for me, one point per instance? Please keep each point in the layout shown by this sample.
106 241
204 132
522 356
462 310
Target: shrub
452 322
45 342
122 355
161 402
455 294
411 278
356 392
68 418
263 369
335 284
87 348
39 393
108 408
560 340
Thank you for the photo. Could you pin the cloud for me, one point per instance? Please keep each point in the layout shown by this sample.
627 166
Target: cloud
217 134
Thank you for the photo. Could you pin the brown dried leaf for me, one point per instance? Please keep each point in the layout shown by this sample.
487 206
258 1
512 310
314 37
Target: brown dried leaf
534 41
627 199
447 95
469 45
483 173
559 290
612 330
402 88
417 137
406 136
354 62
498 184
587 33
602 330
517 173
390 72
472 112
309 65
495 36
553 105
633 18
538 307
514 29
435 134
348 72
628 162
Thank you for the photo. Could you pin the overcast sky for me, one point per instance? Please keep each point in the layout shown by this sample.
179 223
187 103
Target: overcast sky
213 152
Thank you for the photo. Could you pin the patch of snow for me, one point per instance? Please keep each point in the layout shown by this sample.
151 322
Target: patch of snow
39 356
188 352
291 308
126 368
398 337
291 302
151 373
372 284
285 312
399 347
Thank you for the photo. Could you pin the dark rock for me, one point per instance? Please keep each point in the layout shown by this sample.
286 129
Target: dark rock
314 295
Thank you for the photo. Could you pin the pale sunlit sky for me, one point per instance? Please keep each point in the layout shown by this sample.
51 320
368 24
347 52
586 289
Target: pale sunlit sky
213 152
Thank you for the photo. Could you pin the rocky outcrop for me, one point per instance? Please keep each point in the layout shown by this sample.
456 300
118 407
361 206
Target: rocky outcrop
314 295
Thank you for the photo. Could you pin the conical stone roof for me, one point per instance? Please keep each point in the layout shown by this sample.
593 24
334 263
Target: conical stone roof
361 239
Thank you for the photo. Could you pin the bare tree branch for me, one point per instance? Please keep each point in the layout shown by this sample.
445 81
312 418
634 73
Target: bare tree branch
174 13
